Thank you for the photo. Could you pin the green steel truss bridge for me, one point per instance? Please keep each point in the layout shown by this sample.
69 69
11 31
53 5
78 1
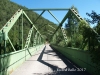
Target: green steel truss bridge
9 62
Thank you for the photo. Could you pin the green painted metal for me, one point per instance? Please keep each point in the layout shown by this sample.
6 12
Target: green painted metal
35 38
80 57
18 16
11 61
4 46
38 39
73 12
28 38
53 16
39 16
53 9
79 18
20 32
22 29
11 44
31 23
9 25
63 31
66 16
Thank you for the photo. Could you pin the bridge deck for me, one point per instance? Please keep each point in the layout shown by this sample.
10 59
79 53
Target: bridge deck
48 62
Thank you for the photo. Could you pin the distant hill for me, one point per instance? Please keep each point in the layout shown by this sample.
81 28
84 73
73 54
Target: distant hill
7 10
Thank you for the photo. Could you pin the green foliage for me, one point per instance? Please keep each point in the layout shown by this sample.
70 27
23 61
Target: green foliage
72 30
78 40
84 29
62 43
69 44
94 44
7 9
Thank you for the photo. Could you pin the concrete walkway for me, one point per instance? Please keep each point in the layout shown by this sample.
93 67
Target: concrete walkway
48 62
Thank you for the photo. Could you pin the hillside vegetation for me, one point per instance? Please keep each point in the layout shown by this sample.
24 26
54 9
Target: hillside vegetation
7 10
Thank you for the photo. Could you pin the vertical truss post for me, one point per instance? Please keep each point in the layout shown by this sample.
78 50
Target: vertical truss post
33 37
37 39
4 46
5 39
64 34
0 48
20 33
54 39
22 29
40 40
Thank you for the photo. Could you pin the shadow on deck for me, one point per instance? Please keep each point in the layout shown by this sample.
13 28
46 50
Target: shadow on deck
71 68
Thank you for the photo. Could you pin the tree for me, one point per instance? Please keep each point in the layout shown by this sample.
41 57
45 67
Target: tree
7 10
71 27
95 49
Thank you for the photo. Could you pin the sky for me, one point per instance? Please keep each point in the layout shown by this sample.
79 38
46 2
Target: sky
83 7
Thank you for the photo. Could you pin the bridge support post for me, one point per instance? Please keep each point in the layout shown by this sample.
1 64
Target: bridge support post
4 46
21 32
32 37
22 29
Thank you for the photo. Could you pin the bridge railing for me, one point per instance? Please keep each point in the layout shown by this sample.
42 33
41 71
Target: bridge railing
79 57
10 61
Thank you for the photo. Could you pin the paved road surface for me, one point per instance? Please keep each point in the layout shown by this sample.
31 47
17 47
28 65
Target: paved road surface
48 62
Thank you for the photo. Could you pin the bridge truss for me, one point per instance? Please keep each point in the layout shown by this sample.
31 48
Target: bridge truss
37 38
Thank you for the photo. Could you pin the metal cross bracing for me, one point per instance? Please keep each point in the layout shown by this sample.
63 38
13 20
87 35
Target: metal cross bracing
79 18
7 27
63 31
76 15
55 9
38 38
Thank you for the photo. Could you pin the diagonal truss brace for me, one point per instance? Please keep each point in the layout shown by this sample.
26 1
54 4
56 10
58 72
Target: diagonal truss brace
63 31
6 28
81 19
30 32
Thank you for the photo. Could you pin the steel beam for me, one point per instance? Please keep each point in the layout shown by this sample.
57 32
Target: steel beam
53 16
53 9
80 19
39 16
22 29
66 16
31 22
